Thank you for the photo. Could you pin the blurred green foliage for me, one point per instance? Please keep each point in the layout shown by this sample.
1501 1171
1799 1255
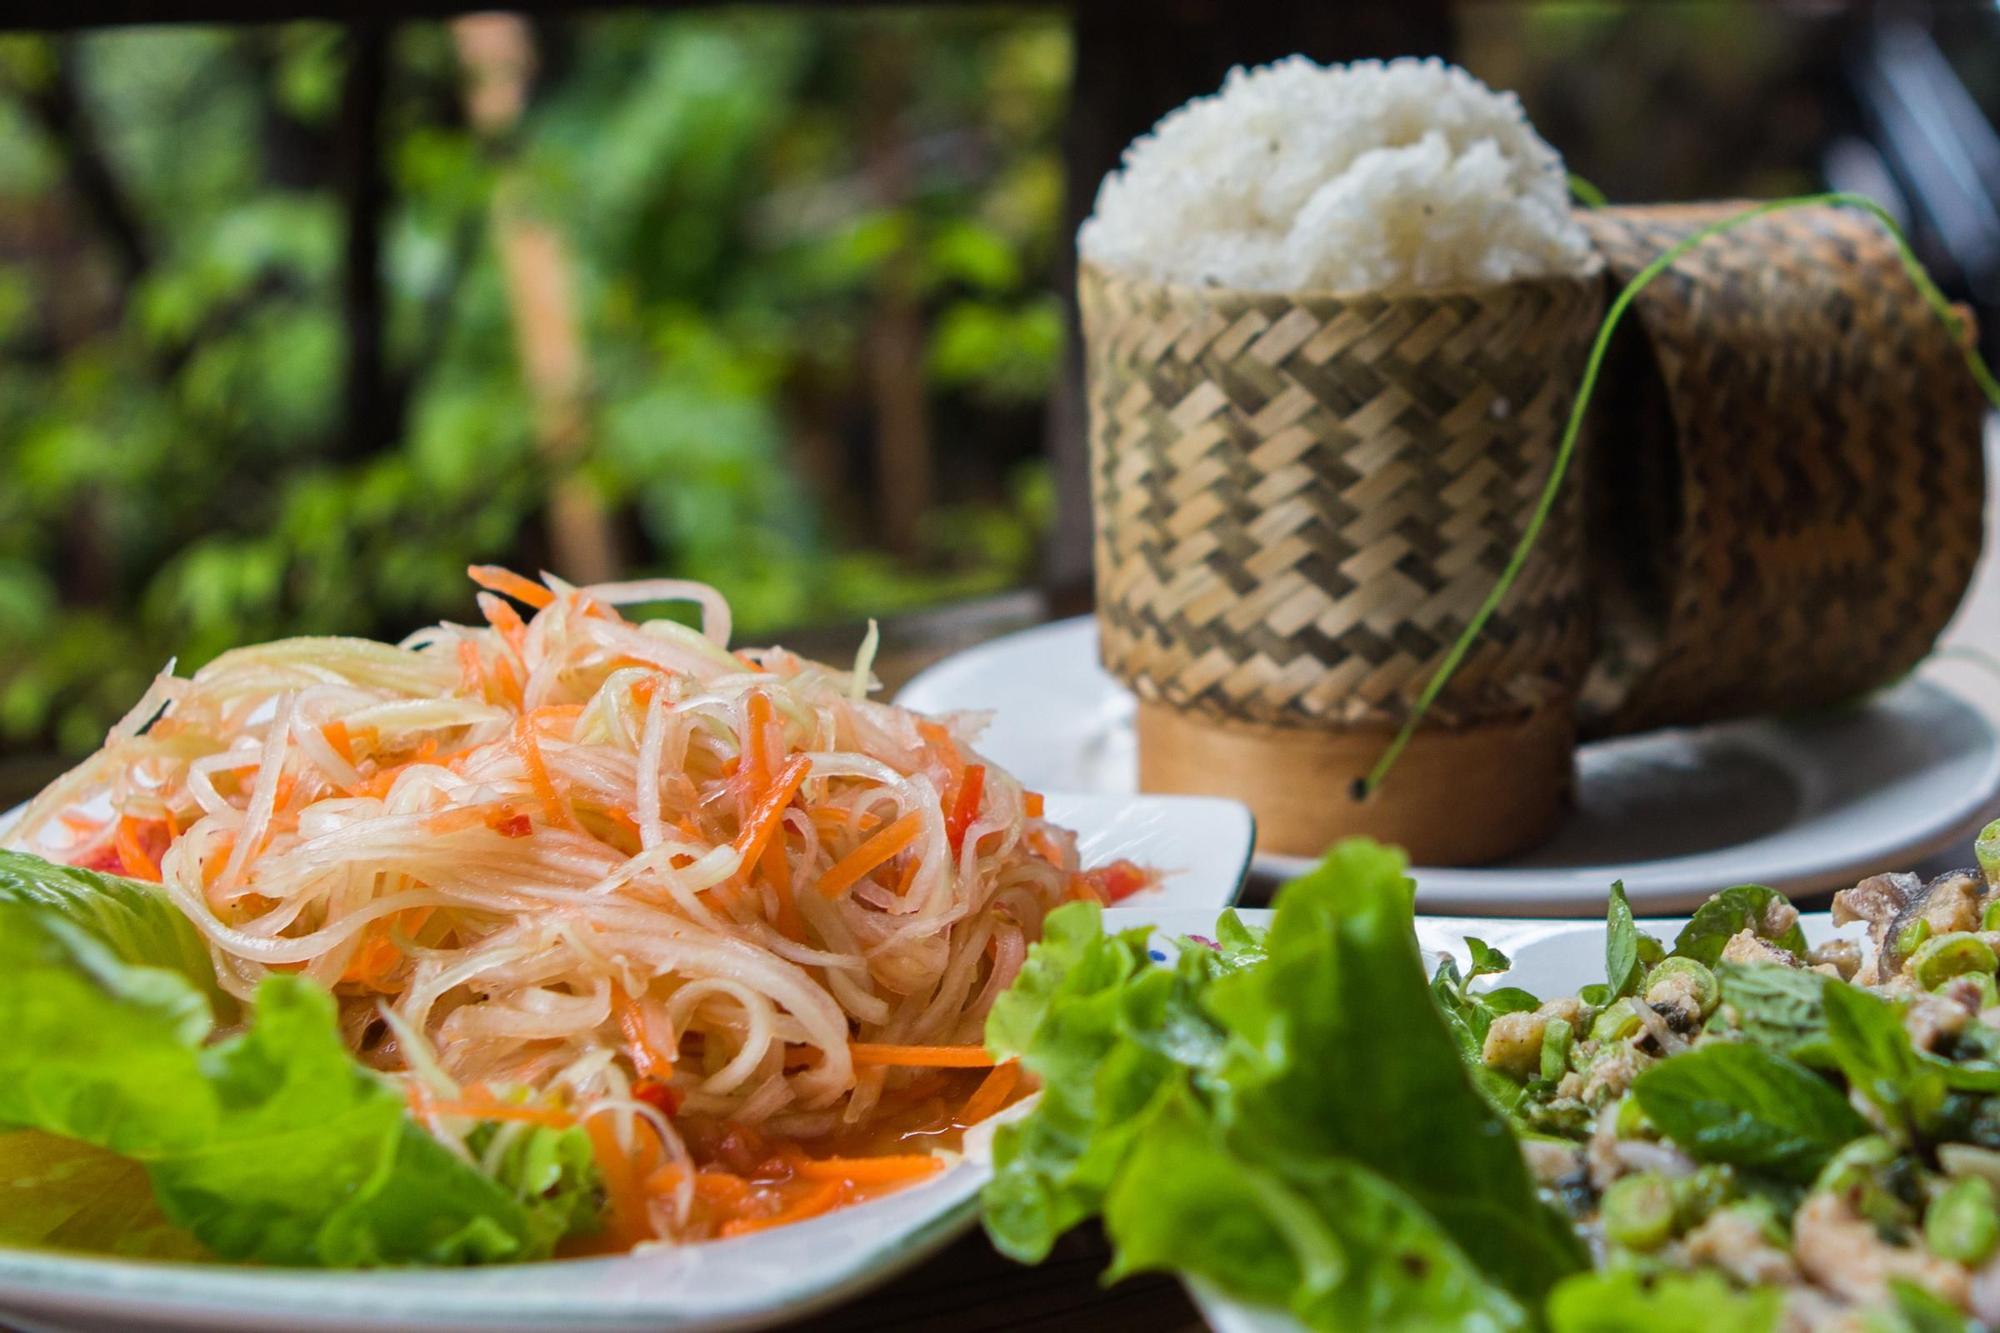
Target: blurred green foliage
173 475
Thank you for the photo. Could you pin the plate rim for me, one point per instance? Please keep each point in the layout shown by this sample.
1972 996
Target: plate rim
1573 890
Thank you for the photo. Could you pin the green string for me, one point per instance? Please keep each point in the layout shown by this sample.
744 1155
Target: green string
1588 385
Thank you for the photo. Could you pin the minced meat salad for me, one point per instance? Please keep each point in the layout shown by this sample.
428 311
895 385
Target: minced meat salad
1824 1120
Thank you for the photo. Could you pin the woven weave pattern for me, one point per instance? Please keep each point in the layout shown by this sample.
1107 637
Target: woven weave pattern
1816 502
1301 501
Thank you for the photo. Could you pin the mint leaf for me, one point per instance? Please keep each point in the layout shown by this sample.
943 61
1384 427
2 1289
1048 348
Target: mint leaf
1780 1008
1728 913
1623 1301
1486 960
1866 1039
1748 1107
1918 1311
1622 965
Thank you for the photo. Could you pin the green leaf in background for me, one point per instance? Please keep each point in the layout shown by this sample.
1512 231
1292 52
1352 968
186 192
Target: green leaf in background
1745 907
66 1195
1743 1105
1240 945
1342 989
1622 965
273 1145
1624 1301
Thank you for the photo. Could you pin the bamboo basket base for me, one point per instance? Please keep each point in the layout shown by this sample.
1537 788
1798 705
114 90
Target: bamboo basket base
1456 797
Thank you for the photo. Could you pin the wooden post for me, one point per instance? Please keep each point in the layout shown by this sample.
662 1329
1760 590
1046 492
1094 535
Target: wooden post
497 52
365 195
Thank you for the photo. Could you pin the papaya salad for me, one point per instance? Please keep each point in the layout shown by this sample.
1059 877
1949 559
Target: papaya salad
702 940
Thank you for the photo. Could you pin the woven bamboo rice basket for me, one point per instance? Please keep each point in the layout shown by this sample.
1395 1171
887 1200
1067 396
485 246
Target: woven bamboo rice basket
1785 482
1300 500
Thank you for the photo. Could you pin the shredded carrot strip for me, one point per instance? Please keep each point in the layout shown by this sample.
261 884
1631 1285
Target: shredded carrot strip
920 1057
623 819
505 682
720 1187
908 877
472 676
991 1094
1033 803
764 819
509 584
624 1188
336 735
373 962
505 619
138 862
757 743
648 1059
870 1170
965 807
538 774
556 718
811 1204
851 869
832 819
499 1110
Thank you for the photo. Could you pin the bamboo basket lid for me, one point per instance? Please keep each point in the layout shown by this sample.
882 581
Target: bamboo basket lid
1786 483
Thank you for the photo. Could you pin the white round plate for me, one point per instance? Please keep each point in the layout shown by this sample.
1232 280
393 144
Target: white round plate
1201 846
1803 805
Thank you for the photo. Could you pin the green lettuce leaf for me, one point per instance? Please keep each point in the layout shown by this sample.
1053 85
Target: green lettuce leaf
1211 1110
1338 1245
1342 990
132 921
1746 1106
1104 1030
66 1195
1726 914
273 1145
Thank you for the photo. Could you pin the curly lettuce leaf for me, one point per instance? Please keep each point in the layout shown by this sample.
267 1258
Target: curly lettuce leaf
1337 1245
133 921
1102 1028
1292 1122
273 1145
66 1195
1343 994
